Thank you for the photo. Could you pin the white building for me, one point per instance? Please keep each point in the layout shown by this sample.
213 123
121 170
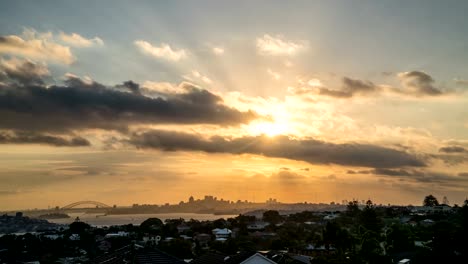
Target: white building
222 233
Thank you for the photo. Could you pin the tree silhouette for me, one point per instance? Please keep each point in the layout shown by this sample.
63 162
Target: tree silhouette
369 218
272 217
78 227
151 224
430 200
352 209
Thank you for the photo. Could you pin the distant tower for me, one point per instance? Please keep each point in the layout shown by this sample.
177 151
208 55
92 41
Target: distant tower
445 200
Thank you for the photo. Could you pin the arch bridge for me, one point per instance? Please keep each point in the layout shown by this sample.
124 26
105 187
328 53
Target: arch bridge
95 203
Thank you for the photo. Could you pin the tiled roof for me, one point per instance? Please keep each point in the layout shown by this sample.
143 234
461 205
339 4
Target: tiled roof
209 258
157 257
118 256
238 258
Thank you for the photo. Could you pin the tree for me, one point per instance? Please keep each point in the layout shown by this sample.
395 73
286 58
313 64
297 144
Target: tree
445 200
400 238
151 224
272 217
369 218
430 200
352 209
178 247
78 227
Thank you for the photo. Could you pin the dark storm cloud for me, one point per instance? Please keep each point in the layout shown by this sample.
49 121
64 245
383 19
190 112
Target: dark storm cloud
453 149
452 155
351 87
9 137
418 83
309 150
76 82
22 72
131 86
87 104
451 159
418 175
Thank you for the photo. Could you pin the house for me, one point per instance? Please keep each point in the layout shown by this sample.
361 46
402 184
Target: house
263 235
183 228
222 233
427 222
120 255
118 234
74 237
284 257
203 239
104 245
240 257
442 208
209 258
156 256
151 239
311 250
258 259
53 236
185 237
257 226
330 217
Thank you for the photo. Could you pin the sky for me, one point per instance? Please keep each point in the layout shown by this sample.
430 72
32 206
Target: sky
151 102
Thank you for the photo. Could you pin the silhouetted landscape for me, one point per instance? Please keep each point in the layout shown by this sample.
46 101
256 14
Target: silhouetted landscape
361 233
250 132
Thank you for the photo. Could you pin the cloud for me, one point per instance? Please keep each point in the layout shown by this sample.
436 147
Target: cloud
152 87
453 149
23 72
218 50
452 155
194 76
81 104
77 40
314 82
419 175
418 83
22 137
286 177
273 74
351 87
414 83
34 45
269 45
8 192
309 150
130 86
163 51
461 82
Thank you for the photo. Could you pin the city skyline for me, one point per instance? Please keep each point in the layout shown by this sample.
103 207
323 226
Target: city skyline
153 102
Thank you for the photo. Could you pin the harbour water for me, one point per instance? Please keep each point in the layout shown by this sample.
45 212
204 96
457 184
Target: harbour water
135 219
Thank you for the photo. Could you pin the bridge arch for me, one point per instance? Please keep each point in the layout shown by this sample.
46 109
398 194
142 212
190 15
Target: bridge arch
95 203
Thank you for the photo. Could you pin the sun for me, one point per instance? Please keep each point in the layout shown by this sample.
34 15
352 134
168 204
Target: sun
270 129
